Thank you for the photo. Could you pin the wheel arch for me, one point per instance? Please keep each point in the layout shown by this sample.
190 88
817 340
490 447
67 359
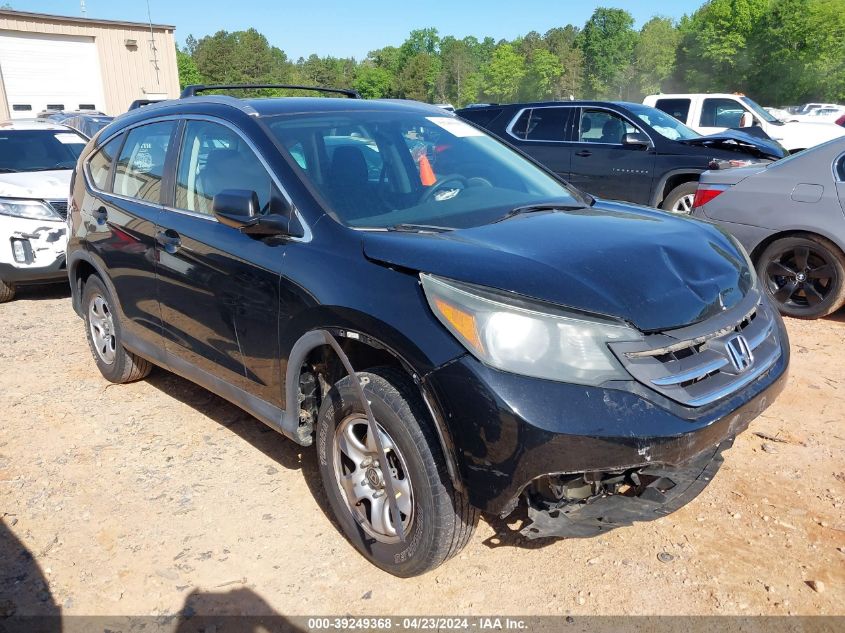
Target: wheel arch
672 179
761 246
318 350
80 267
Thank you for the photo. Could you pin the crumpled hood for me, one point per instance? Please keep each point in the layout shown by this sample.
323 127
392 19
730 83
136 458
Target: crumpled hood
761 146
655 270
43 185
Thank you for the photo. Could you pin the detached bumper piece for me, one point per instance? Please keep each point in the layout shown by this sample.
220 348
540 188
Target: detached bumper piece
569 506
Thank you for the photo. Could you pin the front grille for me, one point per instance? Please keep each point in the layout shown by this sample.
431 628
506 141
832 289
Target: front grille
701 364
60 207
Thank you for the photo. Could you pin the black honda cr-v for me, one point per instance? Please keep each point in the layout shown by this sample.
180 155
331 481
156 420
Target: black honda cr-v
622 151
454 328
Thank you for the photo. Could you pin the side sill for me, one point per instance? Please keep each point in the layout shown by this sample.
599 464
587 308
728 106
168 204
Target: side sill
272 416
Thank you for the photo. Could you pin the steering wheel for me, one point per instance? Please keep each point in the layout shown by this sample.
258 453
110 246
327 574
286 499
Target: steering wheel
441 184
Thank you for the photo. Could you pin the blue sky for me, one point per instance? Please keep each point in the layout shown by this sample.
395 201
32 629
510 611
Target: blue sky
346 28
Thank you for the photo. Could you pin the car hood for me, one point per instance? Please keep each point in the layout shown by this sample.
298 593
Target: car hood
652 269
43 185
756 145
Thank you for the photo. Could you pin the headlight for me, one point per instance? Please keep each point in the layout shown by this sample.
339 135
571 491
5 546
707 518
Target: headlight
526 338
32 209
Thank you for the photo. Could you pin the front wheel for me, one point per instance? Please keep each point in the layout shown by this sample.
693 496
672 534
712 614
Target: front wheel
680 199
436 518
804 276
7 291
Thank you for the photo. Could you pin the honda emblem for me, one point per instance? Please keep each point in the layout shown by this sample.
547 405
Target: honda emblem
739 352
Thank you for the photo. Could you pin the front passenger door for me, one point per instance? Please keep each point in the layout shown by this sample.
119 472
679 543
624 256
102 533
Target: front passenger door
603 166
219 288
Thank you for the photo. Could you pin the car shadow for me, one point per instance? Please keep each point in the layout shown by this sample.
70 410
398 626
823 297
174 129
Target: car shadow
25 596
238 611
59 290
275 446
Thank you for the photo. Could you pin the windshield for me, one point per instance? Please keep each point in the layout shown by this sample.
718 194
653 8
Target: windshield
759 111
664 124
380 169
39 150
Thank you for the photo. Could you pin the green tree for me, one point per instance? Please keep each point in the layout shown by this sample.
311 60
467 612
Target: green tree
504 74
799 48
655 54
713 54
544 71
607 43
373 82
417 78
188 73
240 57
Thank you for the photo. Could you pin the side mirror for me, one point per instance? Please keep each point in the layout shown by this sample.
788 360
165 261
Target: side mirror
746 120
637 140
239 208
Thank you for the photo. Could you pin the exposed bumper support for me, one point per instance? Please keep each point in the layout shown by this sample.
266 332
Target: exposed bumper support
670 489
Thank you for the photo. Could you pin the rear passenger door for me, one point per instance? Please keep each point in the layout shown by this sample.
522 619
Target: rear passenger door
603 166
127 175
542 134
219 288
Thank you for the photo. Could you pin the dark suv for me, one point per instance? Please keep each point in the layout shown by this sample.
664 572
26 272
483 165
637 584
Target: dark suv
454 328
621 151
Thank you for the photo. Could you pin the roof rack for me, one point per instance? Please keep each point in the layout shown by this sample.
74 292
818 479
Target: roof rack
192 91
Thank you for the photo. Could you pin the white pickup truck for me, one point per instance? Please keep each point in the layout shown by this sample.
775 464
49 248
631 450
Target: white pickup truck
709 113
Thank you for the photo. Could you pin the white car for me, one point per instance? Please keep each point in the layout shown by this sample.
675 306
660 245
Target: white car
36 162
820 115
710 113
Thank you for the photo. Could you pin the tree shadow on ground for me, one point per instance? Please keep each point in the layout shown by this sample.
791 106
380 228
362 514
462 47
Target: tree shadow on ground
25 596
237 611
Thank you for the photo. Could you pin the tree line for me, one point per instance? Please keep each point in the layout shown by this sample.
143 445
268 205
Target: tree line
778 51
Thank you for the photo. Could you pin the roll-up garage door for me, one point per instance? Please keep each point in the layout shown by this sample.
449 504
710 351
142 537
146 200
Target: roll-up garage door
46 71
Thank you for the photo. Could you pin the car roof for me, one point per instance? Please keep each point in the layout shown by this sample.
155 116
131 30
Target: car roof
539 104
32 124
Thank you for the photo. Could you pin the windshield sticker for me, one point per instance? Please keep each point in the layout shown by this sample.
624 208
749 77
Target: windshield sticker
455 127
68 138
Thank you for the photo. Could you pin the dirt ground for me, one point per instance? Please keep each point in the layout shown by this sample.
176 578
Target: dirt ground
154 496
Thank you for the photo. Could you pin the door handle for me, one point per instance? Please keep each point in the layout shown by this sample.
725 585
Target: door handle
584 153
169 240
100 215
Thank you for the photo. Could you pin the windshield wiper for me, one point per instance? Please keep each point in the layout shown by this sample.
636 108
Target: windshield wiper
419 228
533 208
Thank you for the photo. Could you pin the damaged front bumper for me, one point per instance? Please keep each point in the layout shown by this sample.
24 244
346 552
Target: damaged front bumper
623 498
32 251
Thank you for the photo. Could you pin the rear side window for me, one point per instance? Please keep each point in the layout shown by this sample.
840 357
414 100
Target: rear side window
840 168
101 163
717 112
140 166
214 158
548 124
678 108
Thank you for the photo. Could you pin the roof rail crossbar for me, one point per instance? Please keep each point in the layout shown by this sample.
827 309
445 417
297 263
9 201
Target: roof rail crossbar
192 91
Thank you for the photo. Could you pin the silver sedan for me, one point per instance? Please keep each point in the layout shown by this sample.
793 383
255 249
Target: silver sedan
790 216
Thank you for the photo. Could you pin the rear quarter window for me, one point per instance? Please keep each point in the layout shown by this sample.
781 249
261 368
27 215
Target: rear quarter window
678 108
100 165
840 168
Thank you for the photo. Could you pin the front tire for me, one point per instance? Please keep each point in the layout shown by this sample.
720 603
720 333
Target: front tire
680 199
804 276
438 521
104 333
7 291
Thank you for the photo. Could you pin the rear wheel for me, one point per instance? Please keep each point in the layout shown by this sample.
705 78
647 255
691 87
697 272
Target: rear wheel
436 518
804 276
7 291
104 337
680 199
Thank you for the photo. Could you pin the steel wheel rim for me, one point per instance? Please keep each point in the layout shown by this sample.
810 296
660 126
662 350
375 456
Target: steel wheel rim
800 277
684 204
101 324
360 478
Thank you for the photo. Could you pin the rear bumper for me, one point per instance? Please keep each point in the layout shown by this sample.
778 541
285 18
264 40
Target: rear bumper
511 430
